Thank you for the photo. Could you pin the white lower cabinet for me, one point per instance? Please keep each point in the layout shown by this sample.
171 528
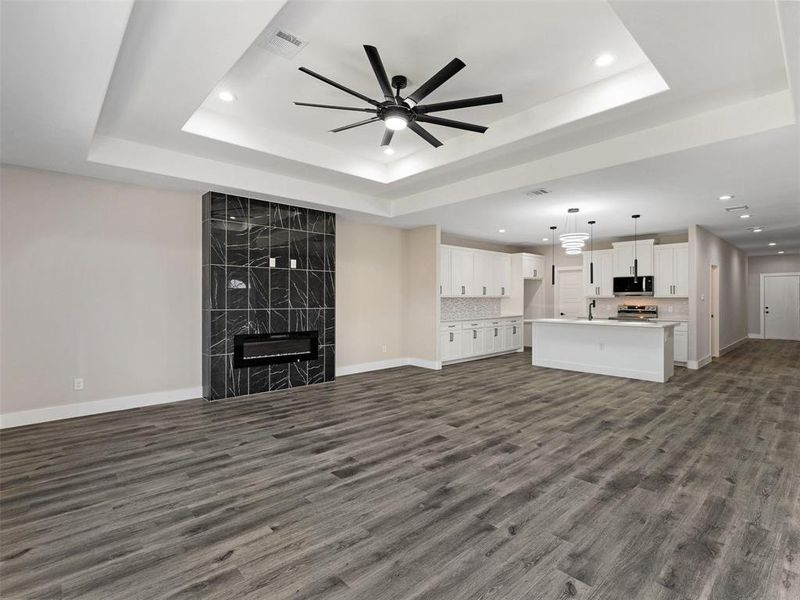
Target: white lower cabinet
680 342
462 340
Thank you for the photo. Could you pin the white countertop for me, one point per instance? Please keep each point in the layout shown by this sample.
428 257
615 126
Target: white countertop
495 318
609 323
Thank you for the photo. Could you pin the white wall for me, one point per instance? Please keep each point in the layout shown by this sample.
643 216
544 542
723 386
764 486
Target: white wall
706 249
757 266
101 281
561 260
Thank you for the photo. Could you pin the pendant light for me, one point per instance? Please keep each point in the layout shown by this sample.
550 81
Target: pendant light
635 257
572 240
553 255
591 251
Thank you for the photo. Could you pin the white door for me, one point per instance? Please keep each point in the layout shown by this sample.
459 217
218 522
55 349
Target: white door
569 288
782 307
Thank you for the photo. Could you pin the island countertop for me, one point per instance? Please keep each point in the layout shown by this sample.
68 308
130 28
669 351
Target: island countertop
609 323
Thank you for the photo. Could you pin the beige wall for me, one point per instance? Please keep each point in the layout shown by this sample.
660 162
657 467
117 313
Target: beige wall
706 249
756 266
421 297
101 281
369 293
386 293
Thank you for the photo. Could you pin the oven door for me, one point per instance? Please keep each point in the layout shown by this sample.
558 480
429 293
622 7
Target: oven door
626 286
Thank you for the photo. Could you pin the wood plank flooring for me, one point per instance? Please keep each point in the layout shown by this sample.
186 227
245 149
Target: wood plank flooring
487 480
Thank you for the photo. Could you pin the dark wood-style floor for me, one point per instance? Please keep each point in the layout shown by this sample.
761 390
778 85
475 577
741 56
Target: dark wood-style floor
489 479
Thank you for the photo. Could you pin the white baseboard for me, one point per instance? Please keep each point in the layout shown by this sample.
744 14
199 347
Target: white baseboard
755 336
733 346
379 365
95 407
698 364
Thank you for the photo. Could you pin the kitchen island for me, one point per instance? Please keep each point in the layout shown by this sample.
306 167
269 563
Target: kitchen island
633 349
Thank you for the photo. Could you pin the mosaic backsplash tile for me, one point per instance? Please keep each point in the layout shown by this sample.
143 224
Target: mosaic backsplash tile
454 309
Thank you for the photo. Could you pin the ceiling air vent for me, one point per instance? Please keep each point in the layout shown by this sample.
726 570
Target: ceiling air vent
737 208
538 192
280 42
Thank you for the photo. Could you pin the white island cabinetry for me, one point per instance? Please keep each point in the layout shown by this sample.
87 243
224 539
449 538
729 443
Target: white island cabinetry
637 350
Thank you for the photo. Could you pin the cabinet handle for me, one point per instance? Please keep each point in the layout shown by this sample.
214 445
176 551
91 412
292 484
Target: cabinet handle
474 334
495 332
502 291
451 336
535 273
484 290
463 291
440 290
514 330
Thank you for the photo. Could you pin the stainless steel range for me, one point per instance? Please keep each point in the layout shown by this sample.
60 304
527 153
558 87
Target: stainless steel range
636 312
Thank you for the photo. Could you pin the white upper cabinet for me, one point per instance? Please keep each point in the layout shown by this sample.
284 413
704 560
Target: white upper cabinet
484 277
462 269
532 266
445 277
603 284
501 271
671 277
624 256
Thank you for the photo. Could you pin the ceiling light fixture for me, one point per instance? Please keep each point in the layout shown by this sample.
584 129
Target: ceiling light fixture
635 256
727 197
605 60
745 216
545 239
780 251
757 230
591 251
388 150
501 231
226 96
573 240
396 123
771 244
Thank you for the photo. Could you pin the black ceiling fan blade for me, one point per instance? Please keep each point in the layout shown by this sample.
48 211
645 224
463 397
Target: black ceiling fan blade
364 122
380 72
387 137
450 69
451 123
339 86
414 126
369 110
465 103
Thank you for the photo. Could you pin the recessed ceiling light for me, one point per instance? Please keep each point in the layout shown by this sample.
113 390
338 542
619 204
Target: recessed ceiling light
771 244
388 150
744 216
545 239
501 231
757 230
727 197
780 251
604 60
226 96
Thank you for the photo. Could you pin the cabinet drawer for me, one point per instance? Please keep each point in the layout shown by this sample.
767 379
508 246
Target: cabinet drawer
450 326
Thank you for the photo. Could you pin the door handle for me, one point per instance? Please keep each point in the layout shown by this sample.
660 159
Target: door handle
562 314
514 330
495 332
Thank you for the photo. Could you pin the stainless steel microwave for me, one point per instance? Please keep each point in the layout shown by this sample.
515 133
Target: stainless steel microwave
633 286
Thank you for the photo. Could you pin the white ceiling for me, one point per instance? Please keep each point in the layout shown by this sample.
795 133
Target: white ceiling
704 96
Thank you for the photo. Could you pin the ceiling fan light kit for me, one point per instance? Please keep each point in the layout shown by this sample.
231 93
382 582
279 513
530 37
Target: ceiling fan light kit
398 113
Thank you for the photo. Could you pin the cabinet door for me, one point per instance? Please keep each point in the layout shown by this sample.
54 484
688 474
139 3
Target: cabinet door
623 261
644 253
501 271
494 341
450 342
467 343
481 341
445 277
663 276
484 264
680 345
462 270
508 337
605 262
516 336
681 266
538 266
527 266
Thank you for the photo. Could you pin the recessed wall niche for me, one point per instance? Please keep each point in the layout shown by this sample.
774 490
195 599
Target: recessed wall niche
267 268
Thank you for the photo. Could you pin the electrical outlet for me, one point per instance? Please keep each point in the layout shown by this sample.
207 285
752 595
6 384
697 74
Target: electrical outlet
77 384
383 348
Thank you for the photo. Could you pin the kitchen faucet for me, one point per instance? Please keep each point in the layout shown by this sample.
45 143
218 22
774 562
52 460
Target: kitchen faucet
592 305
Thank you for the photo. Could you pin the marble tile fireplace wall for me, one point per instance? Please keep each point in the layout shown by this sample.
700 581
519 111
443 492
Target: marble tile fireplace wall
267 268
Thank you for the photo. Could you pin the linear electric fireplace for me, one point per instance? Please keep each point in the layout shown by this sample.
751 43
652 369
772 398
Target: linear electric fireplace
252 350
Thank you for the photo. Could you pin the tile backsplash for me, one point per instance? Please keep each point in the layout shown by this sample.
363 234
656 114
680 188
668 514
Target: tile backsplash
607 307
454 309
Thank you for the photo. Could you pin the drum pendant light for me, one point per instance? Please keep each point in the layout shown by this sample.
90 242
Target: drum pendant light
635 257
591 251
553 255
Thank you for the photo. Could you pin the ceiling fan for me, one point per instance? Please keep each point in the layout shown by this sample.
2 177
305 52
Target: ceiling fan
397 112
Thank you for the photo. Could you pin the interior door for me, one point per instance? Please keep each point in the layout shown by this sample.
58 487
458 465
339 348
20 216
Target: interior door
570 294
782 307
